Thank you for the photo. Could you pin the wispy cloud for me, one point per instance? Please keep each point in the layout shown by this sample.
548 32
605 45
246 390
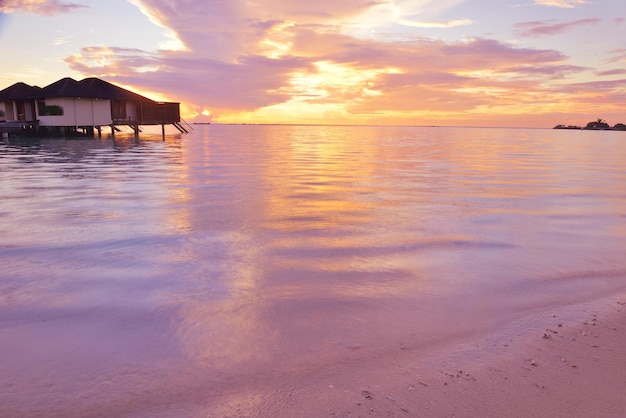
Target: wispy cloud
433 24
617 55
59 41
551 71
599 85
543 28
617 71
566 4
43 7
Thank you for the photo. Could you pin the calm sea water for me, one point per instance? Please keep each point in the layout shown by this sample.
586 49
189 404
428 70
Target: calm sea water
198 274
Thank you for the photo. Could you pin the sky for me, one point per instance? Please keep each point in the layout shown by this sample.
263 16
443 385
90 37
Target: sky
519 63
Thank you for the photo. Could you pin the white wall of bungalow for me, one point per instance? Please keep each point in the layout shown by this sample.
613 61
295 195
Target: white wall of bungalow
77 112
10 112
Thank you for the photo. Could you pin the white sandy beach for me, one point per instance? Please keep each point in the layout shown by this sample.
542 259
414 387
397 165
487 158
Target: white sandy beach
545 366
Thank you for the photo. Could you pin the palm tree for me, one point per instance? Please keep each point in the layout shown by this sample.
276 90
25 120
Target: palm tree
598 124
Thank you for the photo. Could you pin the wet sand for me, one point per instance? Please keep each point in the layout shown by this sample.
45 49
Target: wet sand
563 363
547 365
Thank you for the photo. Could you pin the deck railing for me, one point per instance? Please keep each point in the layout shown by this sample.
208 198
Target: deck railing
151 113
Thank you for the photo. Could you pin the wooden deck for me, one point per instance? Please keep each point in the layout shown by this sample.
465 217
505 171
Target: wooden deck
17 127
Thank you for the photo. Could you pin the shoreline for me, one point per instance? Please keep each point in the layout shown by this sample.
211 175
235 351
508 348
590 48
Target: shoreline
561 364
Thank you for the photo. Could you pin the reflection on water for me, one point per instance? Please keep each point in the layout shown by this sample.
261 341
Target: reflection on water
181 274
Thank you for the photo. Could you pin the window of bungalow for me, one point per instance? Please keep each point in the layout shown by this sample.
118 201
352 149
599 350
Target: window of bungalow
41 107
48 110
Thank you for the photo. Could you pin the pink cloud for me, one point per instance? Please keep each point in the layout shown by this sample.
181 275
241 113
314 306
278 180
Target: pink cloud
319 9
488 53
44 7
248 84
608 94
617 55
551 71
244 58
226 29
250 81
617 71
541 28
598 86
425 54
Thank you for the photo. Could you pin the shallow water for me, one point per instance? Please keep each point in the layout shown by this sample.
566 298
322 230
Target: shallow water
193 276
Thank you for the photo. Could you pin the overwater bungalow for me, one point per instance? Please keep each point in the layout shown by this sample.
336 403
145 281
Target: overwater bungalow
68 107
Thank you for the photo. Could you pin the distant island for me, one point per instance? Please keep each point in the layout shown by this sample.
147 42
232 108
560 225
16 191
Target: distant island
596 125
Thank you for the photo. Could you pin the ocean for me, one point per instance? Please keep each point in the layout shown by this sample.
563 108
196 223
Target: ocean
203 274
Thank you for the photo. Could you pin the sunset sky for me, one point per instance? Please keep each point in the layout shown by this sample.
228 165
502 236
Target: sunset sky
527 63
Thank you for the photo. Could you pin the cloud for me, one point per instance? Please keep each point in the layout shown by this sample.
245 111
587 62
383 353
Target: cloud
248 84
43 7
488 53
551 71
328 69
566 4
541 28
617 71
94 60
295 56
598 86
59 41
618 55
433 24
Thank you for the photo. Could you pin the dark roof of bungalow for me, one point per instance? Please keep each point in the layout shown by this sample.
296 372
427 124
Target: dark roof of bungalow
105 90
92 87
65 87
19 91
